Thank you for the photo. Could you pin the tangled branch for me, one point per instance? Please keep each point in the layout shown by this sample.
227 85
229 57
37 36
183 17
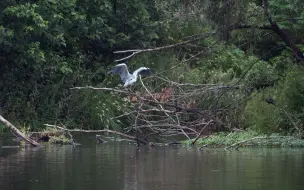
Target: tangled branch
173 111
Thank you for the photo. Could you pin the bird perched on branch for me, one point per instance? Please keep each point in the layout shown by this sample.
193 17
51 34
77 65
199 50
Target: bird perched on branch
127 78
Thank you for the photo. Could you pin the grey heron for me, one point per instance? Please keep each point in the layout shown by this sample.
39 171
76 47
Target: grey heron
127 78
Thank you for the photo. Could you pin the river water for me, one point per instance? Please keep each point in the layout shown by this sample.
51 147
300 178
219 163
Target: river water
122 166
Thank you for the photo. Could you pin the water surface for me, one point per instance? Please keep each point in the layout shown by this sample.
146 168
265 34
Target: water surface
121 166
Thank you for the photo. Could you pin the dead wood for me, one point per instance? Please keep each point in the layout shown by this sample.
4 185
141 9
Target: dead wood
138 51
17 132
101 131
198 136
163 113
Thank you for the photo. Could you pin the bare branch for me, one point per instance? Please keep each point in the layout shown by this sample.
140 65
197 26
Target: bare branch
138 51
125 114
154 98
181 127
194 141
100 131
107 89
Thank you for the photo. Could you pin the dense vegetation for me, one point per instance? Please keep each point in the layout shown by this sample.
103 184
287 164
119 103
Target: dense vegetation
255 47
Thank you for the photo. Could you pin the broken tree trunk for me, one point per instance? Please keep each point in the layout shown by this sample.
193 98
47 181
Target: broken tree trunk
17 132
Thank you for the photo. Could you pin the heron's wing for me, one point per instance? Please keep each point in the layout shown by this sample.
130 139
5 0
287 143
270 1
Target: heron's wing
122 71
143 71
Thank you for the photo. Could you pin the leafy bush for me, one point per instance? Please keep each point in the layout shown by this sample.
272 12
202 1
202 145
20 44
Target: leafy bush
287 112
260 115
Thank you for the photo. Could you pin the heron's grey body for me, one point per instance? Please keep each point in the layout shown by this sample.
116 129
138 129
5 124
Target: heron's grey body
127 78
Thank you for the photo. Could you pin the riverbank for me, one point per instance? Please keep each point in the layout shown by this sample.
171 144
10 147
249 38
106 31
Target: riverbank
248 139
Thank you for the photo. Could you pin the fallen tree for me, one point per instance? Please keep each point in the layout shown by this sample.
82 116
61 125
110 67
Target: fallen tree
17 132
174 111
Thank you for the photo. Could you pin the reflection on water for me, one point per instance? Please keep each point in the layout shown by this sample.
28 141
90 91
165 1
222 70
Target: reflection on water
122 166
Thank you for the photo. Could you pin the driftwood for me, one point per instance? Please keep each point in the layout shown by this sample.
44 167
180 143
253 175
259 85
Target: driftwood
17 132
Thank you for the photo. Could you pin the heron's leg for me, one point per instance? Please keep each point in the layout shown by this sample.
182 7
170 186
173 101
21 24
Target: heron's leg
128 89
132 88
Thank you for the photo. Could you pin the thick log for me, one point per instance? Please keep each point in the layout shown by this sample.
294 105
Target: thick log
17 132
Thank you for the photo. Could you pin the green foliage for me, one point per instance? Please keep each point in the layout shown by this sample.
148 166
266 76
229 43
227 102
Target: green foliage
260 75
226 139
260 115
291 97
47 47
60 140
51 46
292 90
97 109
250 138
286 114
288 13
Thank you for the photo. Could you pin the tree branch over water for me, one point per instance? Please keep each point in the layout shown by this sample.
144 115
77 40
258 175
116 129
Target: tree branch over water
100 131
16 131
